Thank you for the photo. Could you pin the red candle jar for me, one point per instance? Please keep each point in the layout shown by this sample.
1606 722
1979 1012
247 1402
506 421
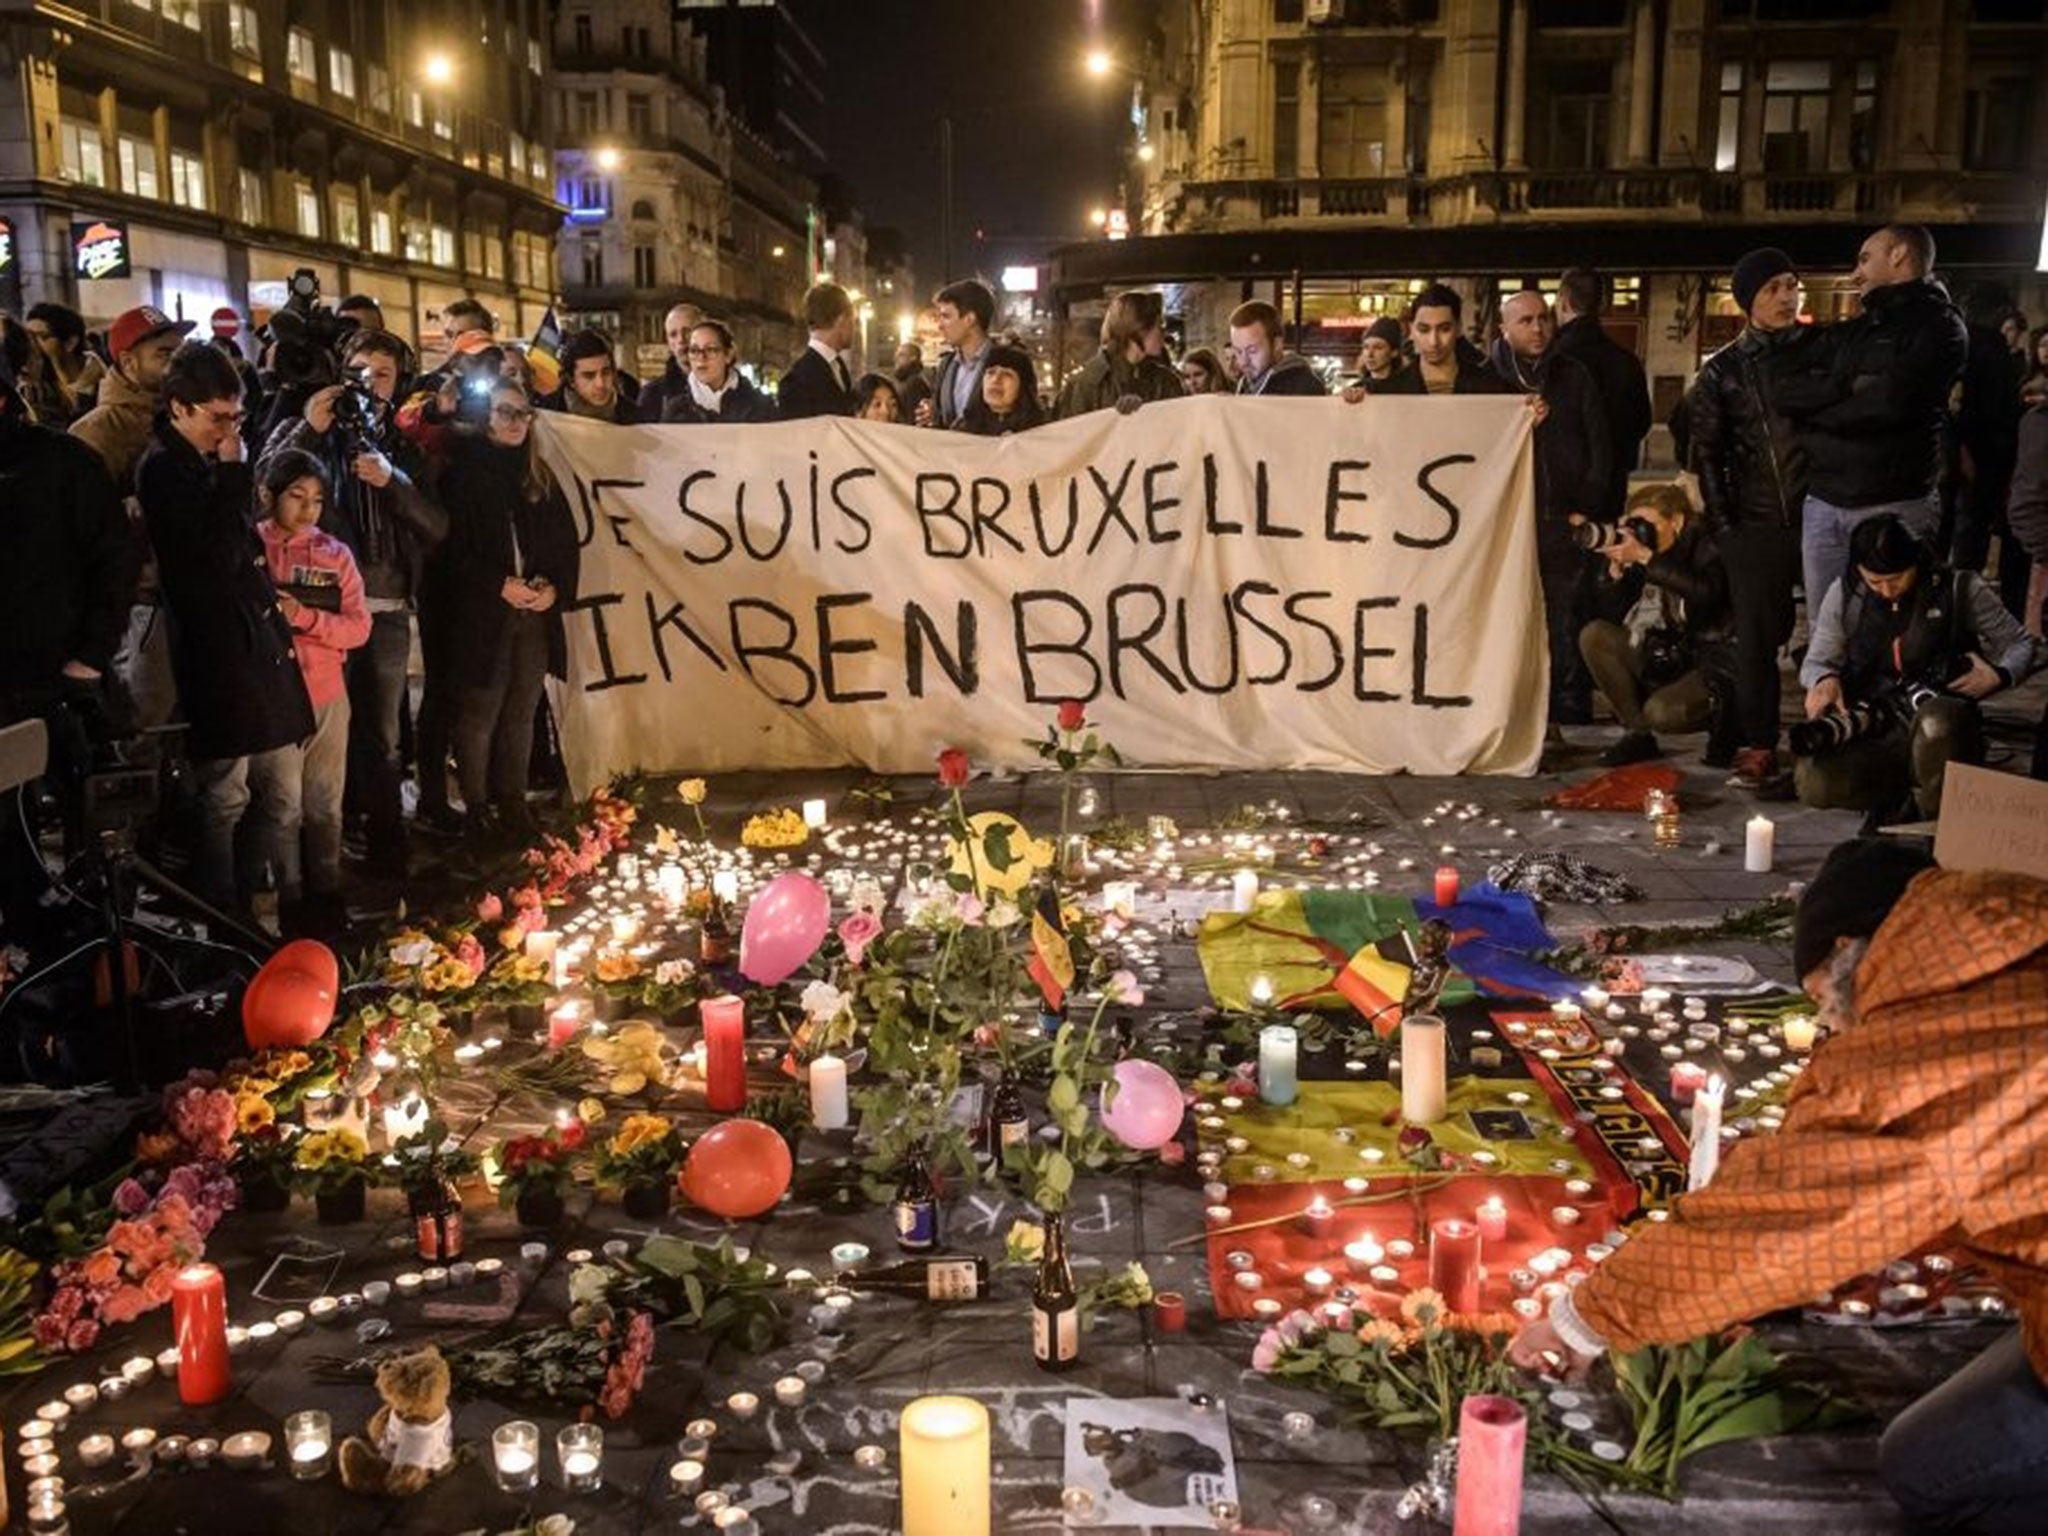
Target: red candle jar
1687 1079
1454 1263
1170 1312
725 1055
563 1025
1446 885
1492 1219
1492 1432
199 1322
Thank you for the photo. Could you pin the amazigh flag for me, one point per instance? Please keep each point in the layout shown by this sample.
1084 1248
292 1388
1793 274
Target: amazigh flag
1052 963
542 354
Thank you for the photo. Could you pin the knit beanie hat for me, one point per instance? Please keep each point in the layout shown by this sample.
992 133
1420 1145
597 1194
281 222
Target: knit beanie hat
1855 891
1754 269
1386 329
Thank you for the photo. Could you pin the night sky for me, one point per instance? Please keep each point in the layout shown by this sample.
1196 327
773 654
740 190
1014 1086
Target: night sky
1036 141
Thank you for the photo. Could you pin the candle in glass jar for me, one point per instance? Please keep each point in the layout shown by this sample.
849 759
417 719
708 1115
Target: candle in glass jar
828 1092
580 1450
1447 885
1278 1044
515 1455
945 1456
1454 1263
1492 1432
1492 1219
725 885
199 1322
1423 1092
669 885
625 928
725 1059
1799 1031
309 1441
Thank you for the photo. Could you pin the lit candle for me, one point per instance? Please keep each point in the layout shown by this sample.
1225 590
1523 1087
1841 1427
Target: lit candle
309 1441
1422 1070
1492 1219
725 885
1491 1434
1454 1263
725 1058
625 928
1653 1000
828 1092
686 1477
96 1450
199 1322
1277 1046
1317 1281
1317 1218
668 885
1687 1079
945 1454
791 1390
580 1449
1759 844
1447 885
515 1455
814 814
408 1117
1262 990
541 945
1706 1135
1363 1254
1595 998
1244 890
1799 1031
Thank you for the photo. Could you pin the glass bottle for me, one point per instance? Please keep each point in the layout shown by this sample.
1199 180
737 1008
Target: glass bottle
714 939
1055 1303
916 1206
1006 1124
437 1220
948 1277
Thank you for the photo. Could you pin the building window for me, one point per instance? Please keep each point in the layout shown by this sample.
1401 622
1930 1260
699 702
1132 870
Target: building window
643 209
83 151
443 246
640 118
1577 120
415 107
1287 13
1863 118
188 179
348 218
586 119
1286 118
444 118
1352 122
1728 142
586 38
518 153
341 73
494 258
249 193
184 12
472 251
590 193
245 33
137 159
533 62
298 54
1997 123
593 264
377 90
306 202
1795 115
380 231
643 266
417 241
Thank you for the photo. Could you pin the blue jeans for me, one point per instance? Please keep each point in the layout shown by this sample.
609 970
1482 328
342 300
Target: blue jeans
1973 1453
1824 547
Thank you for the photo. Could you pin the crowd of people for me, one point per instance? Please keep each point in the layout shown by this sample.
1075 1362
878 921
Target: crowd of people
249 551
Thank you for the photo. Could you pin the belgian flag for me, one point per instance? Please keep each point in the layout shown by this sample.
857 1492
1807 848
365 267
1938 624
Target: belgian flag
1052 962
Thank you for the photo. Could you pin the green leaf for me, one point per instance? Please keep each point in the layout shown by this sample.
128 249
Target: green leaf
1063 1095
995 844
1058 1174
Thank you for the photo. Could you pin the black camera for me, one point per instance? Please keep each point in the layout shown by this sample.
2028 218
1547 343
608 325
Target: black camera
1896 705
306 333
359 413
1604 536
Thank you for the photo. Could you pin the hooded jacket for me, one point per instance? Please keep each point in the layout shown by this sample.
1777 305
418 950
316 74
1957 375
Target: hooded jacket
1104 380
1919 1123
320 639
1292 375
118 427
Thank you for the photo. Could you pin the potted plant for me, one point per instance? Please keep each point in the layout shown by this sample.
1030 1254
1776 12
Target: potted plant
642 1157
536 1171
262 1167
519 983
334 1168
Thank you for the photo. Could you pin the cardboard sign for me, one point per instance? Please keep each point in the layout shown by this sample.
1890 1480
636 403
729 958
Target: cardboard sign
1992 821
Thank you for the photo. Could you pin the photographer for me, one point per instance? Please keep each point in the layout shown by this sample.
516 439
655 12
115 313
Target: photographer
1676 674
231 647
1901 652
377 509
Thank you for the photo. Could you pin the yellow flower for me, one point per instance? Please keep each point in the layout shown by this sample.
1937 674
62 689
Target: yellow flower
1380 1331
638 1131
617 965
783 828
320 1148
252 1113
1424 1307
1024 1242
447 975
511 936
666 842
692 791
590 1111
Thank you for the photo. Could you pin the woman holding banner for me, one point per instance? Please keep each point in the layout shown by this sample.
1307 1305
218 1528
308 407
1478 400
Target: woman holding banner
715 390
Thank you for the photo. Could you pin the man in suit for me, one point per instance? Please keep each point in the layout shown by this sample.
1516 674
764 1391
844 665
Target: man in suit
820 382
967 311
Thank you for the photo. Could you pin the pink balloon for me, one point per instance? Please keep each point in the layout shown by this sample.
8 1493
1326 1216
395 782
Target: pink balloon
1146 1110
737 1169
785 925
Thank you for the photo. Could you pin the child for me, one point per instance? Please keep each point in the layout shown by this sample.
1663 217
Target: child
320 594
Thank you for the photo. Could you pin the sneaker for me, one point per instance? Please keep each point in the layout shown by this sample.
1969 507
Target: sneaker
1754 767
1633 747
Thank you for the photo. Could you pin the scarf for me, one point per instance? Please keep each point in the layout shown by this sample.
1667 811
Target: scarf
709 399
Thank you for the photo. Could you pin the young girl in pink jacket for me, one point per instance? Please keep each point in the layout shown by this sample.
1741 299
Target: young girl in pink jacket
320 593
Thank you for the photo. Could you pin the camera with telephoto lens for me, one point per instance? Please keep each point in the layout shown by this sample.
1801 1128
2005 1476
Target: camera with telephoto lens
1606 536
359 413
307 335
1894 705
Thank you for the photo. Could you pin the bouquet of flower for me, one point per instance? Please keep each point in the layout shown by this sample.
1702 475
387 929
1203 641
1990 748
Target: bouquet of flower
325 1162
779 828
590 1365
18 1355
644 1149
538 1164
263 1151
440 967
697 1286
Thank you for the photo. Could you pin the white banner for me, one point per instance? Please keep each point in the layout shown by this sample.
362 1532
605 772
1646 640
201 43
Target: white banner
1226 583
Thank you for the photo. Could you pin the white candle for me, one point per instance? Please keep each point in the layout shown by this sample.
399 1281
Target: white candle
541 944
725 885
408 1117
790 1390
1799 1031
828 1093
814 814
625 928
1278 1045
945 1456
1244 890
1706 1135
1422 1070
668 884
1760 842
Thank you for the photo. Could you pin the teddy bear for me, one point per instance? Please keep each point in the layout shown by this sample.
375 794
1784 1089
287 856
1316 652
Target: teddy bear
411 1436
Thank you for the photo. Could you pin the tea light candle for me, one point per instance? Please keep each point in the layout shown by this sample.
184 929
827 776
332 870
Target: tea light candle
945 1456
1363 1254
96 1450
1317 1218
57 1412
409 1284
1759 844
580 1450
434 1278
828 1092
309 1442
1317 1281
82 1396
166 1367
790 1391
1278 1044
515 1455
725 1061
44 1465
138 1440
1492 1219
1595 998
686 1478
743 1405
531 1255
1799 1031
1651 1000
814 814
199 1317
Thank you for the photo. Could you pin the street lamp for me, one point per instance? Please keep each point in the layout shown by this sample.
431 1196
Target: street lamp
1145 153
1100 63
1098 216
439 69
608 159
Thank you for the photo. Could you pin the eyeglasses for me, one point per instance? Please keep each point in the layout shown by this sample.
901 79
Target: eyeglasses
705 351
511 413
222 419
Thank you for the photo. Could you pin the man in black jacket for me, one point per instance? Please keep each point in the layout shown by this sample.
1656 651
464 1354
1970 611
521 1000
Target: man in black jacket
820 382
1872 422
674 382
1445 364
1675 677
1264 365
231 649
1752 475
591 386
1617 375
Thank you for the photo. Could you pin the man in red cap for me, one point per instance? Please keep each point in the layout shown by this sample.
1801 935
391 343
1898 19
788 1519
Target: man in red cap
140 342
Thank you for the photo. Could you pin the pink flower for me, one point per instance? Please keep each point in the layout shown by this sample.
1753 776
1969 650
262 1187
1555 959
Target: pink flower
1173 1154
1294 1327
857 930
490 909
471 954
83 1335
530 919
131 1199
527 897
968 908
1266 1353
1124 989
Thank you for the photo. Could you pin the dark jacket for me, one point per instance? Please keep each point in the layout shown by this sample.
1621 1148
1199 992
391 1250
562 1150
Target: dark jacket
624 412
1987 422
1692 571
1624 391
655 394
1751 464
811 388
70 566
239 683
1292 375
1104 380
1872 423
1573 458
483 489
742 403
913 389
2026 509
391 528
1474 378
945 387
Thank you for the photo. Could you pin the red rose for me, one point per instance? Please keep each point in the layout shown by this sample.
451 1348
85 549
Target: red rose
572 1135
1073 715
953 768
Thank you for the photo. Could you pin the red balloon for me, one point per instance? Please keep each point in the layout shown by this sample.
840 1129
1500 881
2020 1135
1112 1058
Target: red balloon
737 1169
291 1001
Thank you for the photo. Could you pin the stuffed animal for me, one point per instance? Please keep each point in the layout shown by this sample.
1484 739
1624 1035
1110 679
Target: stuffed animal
411 1436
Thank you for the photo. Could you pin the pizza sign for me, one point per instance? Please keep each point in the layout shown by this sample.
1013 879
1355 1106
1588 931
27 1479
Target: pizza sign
99 248
6 246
